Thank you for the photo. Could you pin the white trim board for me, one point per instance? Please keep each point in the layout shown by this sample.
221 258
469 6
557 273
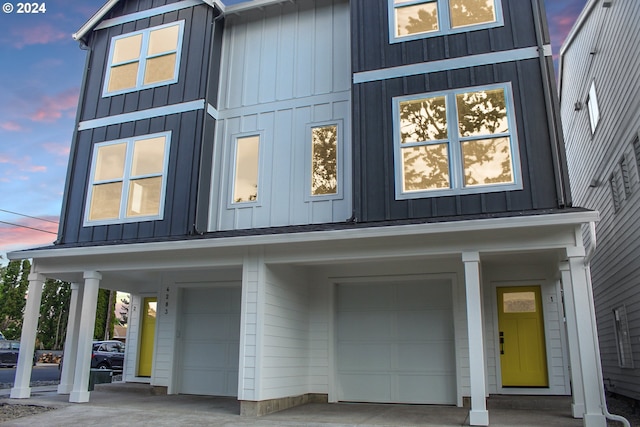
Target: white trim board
449 64
142 114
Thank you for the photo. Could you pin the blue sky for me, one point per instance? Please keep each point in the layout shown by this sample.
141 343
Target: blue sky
41 71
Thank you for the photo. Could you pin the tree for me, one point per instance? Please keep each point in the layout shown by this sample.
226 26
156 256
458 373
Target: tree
13 288
54 312
105 319
324 159
470 12
124 310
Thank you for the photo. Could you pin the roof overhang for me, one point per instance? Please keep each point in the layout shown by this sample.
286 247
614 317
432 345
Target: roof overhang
102 12
474 225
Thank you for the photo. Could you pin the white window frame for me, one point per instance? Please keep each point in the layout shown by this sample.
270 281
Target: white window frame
309 197
456 172
444 22
122 218
233 158
143 60
593 108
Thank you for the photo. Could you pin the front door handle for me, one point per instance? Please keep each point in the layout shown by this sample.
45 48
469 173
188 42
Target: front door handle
501 342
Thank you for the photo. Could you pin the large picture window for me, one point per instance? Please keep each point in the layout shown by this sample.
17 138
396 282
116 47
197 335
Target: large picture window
144 59
128 180
412 19
457 142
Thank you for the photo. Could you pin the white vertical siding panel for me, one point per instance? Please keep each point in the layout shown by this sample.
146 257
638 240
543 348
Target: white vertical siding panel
233 74
133 336
166 317
286 46
279 188
341 47
252 70
249 328
304 66
323 38
285 367
268 61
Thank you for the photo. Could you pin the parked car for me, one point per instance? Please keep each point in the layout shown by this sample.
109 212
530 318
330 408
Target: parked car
9 351
107 355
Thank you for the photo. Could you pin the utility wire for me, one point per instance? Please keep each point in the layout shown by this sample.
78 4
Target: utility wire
28 216
26 226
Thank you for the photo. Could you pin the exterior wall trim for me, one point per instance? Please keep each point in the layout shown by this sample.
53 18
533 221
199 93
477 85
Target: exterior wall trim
147 13
212 111
493 224
183 107
450 64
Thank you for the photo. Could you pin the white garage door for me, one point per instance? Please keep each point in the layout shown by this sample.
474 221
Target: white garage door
210 340
396 343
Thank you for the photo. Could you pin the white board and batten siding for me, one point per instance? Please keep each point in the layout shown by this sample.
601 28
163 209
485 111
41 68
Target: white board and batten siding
285 69
605 51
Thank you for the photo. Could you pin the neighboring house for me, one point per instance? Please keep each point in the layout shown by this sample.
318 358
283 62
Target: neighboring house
360 201
600 106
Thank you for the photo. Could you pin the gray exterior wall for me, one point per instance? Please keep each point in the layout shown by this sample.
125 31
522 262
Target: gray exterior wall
604 50
374 183
191 143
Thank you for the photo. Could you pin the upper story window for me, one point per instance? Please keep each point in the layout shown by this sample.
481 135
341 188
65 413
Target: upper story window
592 105
456 142
144 59
128 180
413 19
325 141
247 162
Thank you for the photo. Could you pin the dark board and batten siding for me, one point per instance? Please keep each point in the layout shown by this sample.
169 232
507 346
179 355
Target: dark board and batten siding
371 48
192 76
374 186
191 132
182 178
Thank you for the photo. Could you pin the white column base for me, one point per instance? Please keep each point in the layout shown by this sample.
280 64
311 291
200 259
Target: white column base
65 388
79 396
577 410
594 420
21 392
478 418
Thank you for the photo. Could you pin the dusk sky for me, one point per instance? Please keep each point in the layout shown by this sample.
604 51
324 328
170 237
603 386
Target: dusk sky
41 70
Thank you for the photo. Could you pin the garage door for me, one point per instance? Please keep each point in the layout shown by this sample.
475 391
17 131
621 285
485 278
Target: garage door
210 340
396 342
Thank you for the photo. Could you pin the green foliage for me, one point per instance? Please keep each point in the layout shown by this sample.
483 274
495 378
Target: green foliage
14 283
54 312
105 314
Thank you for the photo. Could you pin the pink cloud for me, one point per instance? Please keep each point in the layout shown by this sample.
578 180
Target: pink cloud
56 149
42 34
14 237
23 164
34 168
11 126
54 107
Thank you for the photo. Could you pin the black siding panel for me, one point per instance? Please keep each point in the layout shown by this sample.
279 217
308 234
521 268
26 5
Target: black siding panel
194 65
374 157
372 50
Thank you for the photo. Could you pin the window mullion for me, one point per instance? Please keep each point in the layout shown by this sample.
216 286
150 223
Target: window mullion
443 15
126 179
456 170
143 58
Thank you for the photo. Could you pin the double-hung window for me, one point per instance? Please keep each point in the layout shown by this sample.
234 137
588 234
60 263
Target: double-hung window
456 142
128 180
144 59
413 19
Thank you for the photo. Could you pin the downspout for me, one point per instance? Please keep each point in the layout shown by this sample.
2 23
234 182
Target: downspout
552 108
587 264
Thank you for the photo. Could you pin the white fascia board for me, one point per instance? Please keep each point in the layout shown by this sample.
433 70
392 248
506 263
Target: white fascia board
94 21
255 4
572 218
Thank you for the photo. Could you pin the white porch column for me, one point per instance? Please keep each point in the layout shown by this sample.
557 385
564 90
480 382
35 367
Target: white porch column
478 415
587 337
577 392
21 389
71 341
80 392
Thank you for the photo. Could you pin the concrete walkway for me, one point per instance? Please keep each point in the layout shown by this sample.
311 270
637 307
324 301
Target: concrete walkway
125 405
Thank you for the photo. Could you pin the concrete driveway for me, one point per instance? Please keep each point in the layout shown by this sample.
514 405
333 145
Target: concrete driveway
130 404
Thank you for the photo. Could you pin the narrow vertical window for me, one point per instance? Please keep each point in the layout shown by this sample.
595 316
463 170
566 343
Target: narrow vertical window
623 339
615 192
626 182
247 155
144 59
128 180
324 160
592 105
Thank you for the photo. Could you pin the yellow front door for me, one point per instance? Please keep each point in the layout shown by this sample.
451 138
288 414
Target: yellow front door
523 356
147 335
